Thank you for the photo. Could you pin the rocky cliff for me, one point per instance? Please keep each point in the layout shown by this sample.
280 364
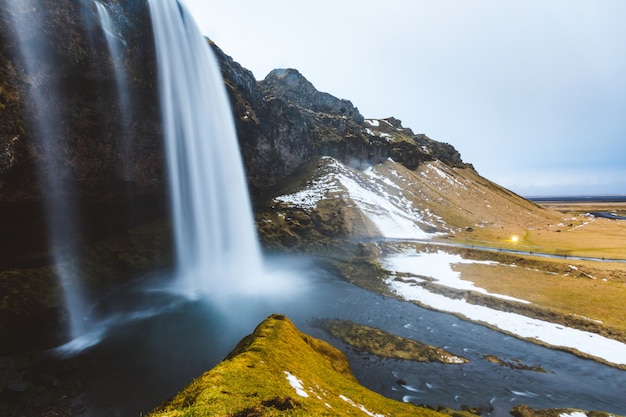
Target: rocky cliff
60 102
64 120
80 125
284 122
71 128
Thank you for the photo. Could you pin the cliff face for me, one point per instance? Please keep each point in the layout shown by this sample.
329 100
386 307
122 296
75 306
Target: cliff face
66 115
79 120
63 114
60 97
283 123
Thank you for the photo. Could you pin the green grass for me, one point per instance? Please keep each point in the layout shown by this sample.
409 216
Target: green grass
252 381
556 287
380 343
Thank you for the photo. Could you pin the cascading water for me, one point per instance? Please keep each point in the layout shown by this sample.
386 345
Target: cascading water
62 216
116 46
217 248
50 130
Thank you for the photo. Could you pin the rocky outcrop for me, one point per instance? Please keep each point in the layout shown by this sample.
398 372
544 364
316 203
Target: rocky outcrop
284 122
277 370
412 149
291 86
62 114
525 411
64 121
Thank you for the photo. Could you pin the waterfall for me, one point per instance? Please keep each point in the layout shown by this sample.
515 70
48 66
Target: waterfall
217 249
62 215
116 45
218 256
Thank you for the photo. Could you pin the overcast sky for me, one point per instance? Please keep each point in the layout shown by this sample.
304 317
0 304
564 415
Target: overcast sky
532 92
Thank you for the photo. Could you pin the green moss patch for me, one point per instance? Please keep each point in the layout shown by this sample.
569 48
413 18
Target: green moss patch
279 371
525 411
515 364
381 343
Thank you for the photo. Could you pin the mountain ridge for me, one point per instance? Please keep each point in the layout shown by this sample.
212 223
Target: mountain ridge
284 122
287 127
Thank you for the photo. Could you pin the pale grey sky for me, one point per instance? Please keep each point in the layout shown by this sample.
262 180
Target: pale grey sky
532 92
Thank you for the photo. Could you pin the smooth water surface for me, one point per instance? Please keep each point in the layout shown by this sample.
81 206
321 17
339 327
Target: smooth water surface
144 360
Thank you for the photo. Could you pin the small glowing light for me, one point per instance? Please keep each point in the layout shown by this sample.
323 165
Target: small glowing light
514 239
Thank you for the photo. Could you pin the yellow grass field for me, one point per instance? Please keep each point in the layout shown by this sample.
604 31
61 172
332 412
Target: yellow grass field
584 289
576 235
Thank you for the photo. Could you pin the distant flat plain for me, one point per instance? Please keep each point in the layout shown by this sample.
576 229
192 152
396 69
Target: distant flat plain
584 204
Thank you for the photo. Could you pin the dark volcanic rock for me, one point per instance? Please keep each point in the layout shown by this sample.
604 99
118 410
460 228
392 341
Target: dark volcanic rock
66 134
283 122
291 86
62 115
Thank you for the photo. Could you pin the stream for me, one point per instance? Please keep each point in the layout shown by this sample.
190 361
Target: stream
171 340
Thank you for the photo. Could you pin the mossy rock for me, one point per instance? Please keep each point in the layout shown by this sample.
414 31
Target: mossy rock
279 371
515 364
380 343
526 411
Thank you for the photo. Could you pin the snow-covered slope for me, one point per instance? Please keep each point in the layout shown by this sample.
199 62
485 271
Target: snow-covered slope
430 201
378 191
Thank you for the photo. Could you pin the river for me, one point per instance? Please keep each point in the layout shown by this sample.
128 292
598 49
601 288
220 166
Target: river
142 361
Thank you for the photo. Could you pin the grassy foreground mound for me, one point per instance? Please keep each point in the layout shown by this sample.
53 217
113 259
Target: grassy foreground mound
279 371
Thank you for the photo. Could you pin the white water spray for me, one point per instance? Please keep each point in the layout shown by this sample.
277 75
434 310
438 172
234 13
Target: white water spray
217 248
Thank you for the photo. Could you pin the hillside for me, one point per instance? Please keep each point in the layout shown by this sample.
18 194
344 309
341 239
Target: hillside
288 133
297 141
276 371
358 211
284 122
279 371
389 200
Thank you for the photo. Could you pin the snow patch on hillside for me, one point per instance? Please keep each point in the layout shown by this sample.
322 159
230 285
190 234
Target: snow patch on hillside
296 384
373 192
433 265
438 266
